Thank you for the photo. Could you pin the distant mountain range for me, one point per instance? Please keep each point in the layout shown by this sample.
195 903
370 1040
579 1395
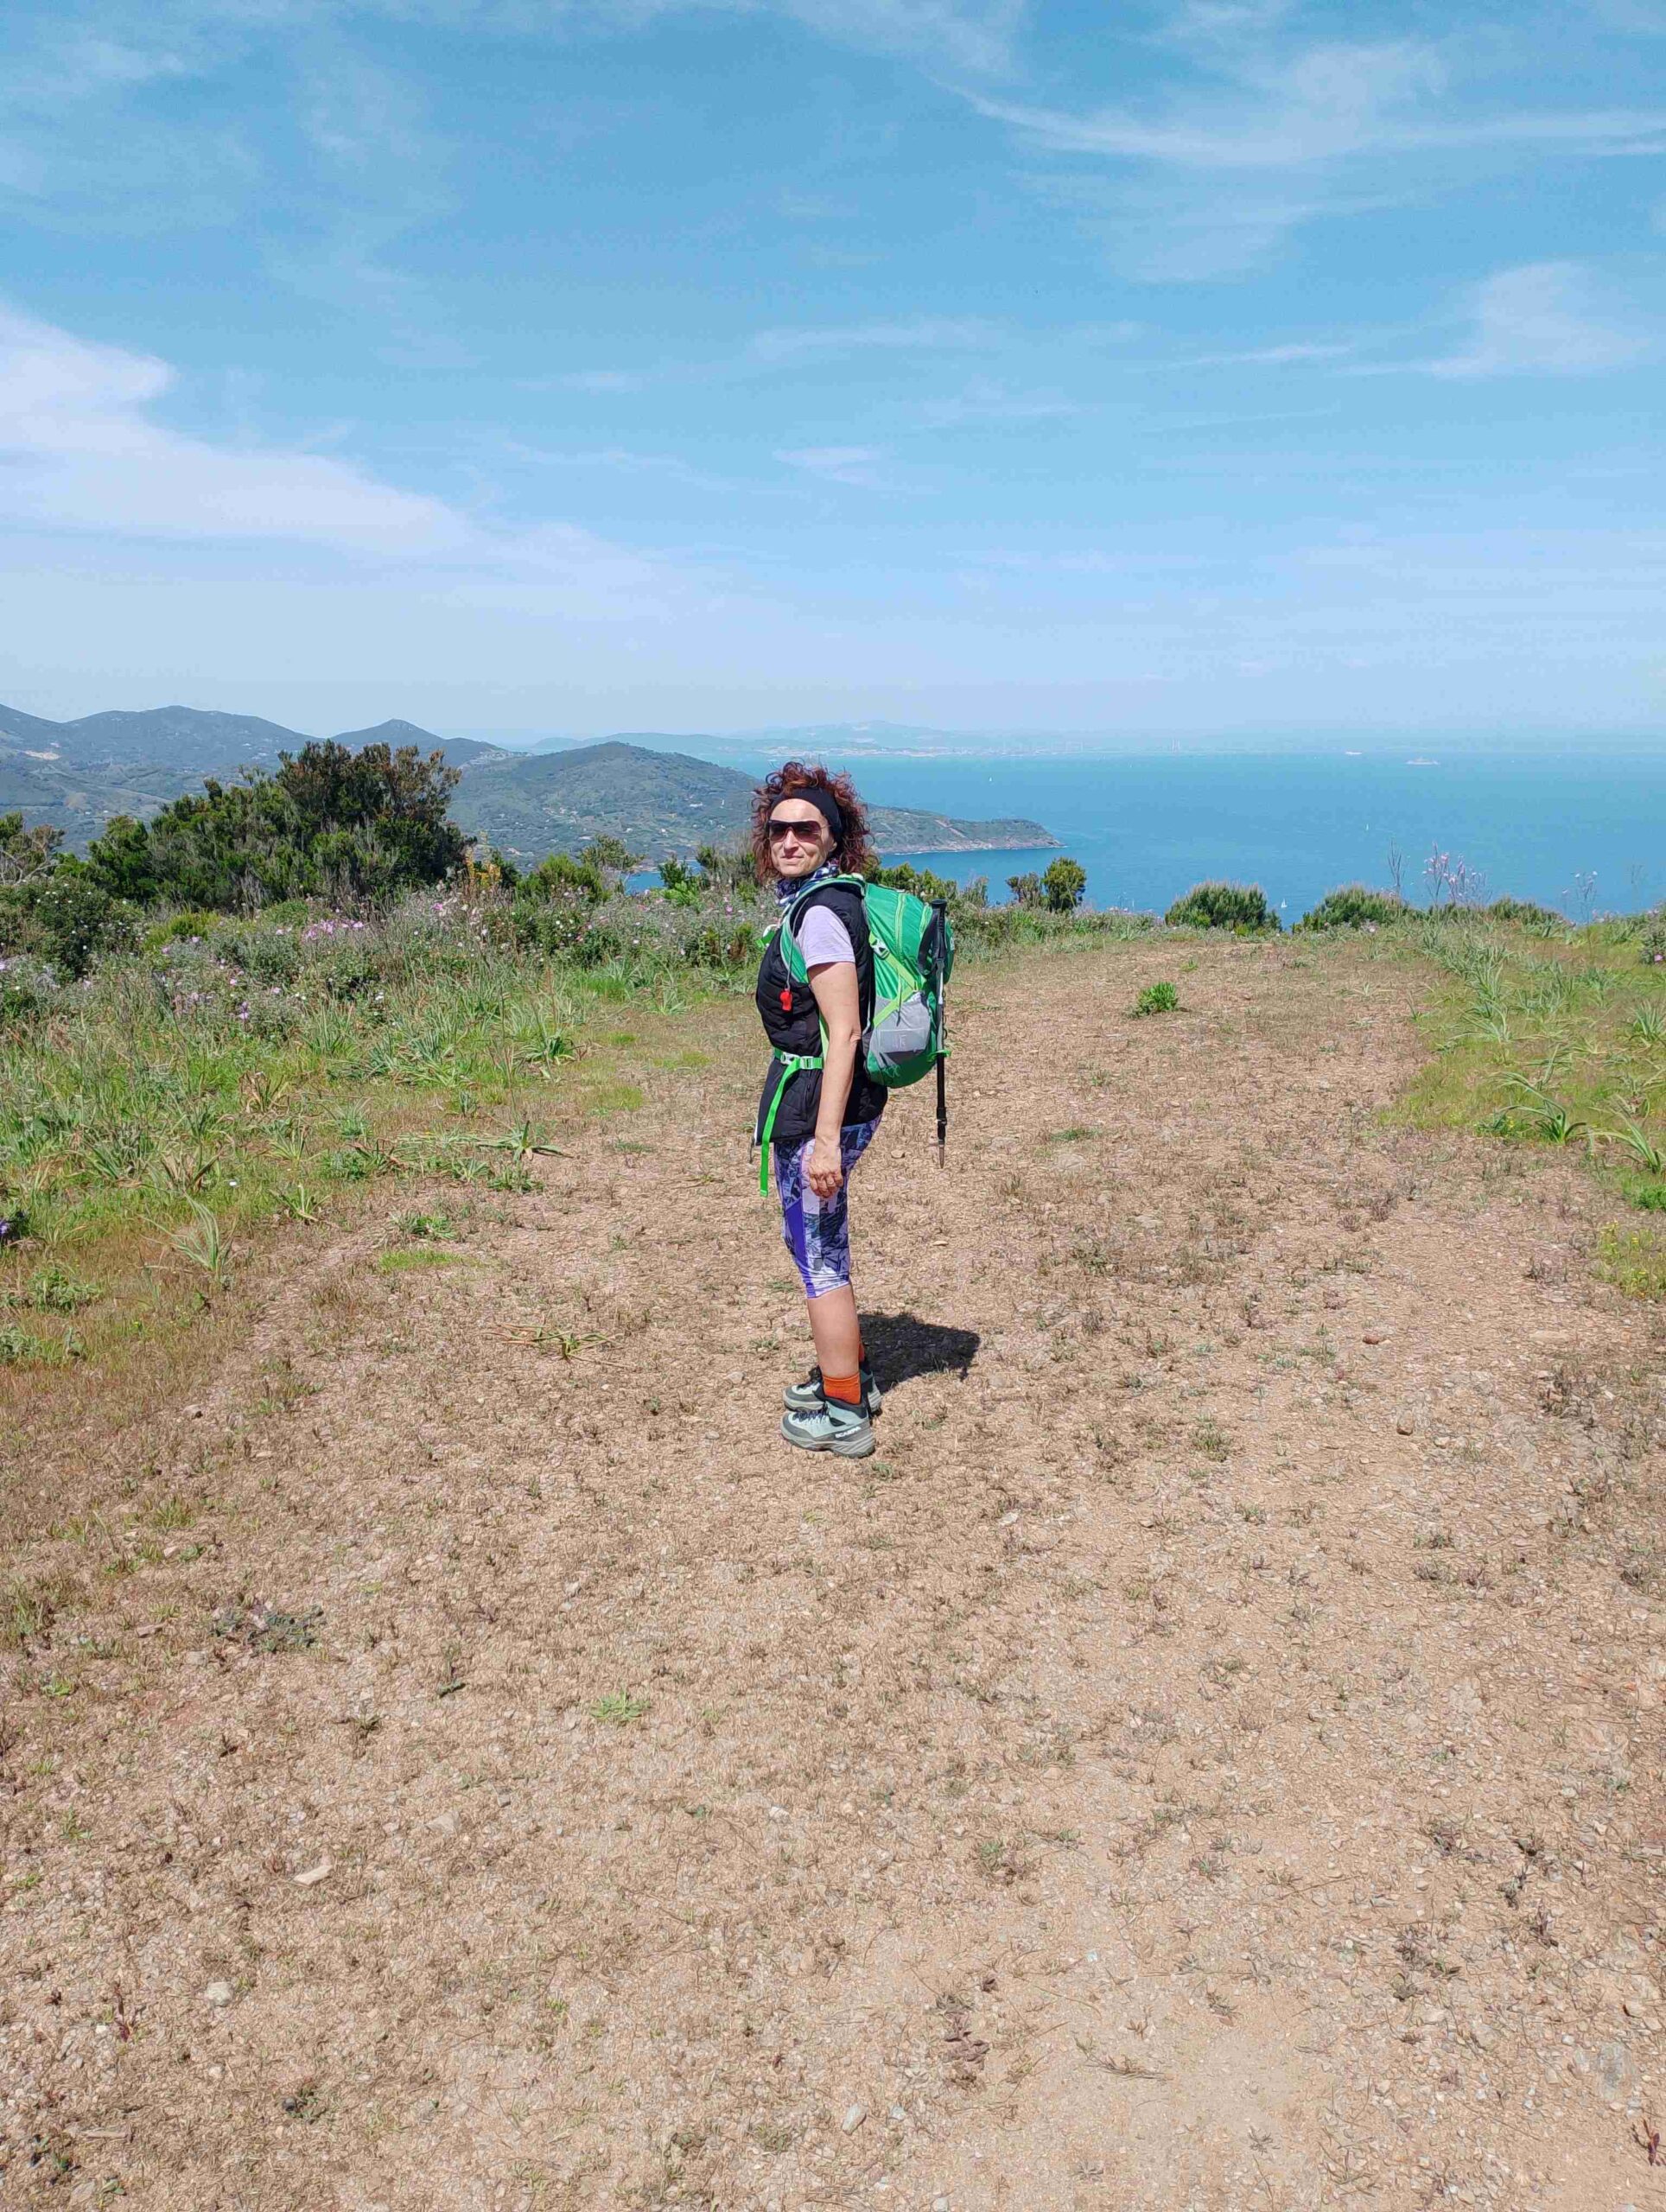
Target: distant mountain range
78 775
893 740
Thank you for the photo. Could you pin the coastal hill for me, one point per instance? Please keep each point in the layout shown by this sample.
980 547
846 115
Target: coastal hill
77 775
666 803
459 751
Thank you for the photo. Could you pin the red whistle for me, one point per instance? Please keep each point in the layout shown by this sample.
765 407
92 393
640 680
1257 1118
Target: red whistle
786 998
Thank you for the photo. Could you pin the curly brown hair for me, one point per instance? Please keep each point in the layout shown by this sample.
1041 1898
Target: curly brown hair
854 852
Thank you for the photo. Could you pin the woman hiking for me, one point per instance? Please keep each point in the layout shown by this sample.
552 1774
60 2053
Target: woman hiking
820 1107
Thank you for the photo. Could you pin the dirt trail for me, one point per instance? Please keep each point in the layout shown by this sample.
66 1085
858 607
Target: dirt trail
1210 1757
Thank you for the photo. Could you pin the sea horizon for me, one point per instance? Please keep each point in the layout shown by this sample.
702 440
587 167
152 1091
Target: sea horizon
1578 833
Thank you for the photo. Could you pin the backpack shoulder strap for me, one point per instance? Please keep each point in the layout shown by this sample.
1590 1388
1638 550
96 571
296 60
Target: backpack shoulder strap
790 952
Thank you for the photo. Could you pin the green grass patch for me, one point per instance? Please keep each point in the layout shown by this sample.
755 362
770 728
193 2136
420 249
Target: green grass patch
618 1708
1156 998
612 1098
402 1262
1552 1039
1633 1259
232 1074
22 1348
426 1224
51 1290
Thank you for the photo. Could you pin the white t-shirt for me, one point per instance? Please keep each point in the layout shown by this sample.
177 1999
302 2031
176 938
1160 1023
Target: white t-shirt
823 937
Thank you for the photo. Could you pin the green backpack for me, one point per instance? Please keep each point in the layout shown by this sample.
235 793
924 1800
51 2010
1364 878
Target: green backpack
914 949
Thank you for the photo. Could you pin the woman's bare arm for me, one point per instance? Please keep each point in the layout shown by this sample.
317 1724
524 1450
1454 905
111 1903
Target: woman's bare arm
835 986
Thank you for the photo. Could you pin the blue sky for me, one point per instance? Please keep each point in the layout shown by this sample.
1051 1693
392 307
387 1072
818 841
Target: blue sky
1228 365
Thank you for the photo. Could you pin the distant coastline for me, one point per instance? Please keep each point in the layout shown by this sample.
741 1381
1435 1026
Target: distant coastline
903 831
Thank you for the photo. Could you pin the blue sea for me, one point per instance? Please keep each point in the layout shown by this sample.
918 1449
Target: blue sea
1584 834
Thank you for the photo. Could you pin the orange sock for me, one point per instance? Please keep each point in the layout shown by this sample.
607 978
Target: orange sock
847 1388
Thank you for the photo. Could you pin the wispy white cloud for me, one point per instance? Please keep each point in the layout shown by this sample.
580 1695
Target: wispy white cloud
911 335
1319 105
379 172
1272 357
1545 318
793 345
985 401
971 35
85 452
623 461
1329 101
597 380
1258 134
85 455
1176 228
861 467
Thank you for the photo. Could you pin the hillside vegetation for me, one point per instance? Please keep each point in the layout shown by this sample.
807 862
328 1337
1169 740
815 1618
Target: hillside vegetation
78 777
179 1079
173 1078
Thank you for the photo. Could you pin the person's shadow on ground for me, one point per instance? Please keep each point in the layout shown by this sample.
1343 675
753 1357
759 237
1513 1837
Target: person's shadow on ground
901 1346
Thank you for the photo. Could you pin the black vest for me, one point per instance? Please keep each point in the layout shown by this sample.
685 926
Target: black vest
792 1024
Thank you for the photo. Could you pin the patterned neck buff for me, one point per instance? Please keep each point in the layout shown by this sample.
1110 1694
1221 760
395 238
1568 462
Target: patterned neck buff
786 891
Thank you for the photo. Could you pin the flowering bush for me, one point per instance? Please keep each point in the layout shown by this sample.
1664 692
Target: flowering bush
28 988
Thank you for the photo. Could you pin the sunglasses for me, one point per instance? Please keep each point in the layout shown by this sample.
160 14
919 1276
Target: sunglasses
804 831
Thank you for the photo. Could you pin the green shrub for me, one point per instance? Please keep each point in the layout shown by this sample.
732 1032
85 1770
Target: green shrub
680 883
189 922
26 856
1527 911
553 926
1354 907
267 957
65 918
1026 890
922 881
1156 998
731 869
331 823
1063 884
1652 945
74 922
598 946
611 854
26 990
559 876
1240 907
962 900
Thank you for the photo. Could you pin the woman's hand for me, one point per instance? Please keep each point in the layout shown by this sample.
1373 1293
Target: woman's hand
826 1170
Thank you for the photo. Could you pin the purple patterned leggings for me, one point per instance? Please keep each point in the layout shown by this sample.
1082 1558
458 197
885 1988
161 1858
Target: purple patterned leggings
817 1231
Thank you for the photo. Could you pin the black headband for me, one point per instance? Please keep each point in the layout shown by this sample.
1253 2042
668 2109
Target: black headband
825 803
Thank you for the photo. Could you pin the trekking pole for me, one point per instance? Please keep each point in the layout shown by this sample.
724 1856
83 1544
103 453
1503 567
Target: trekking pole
940 908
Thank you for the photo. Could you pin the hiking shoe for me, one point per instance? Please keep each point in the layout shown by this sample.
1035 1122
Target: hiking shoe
805 1397
830 1426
